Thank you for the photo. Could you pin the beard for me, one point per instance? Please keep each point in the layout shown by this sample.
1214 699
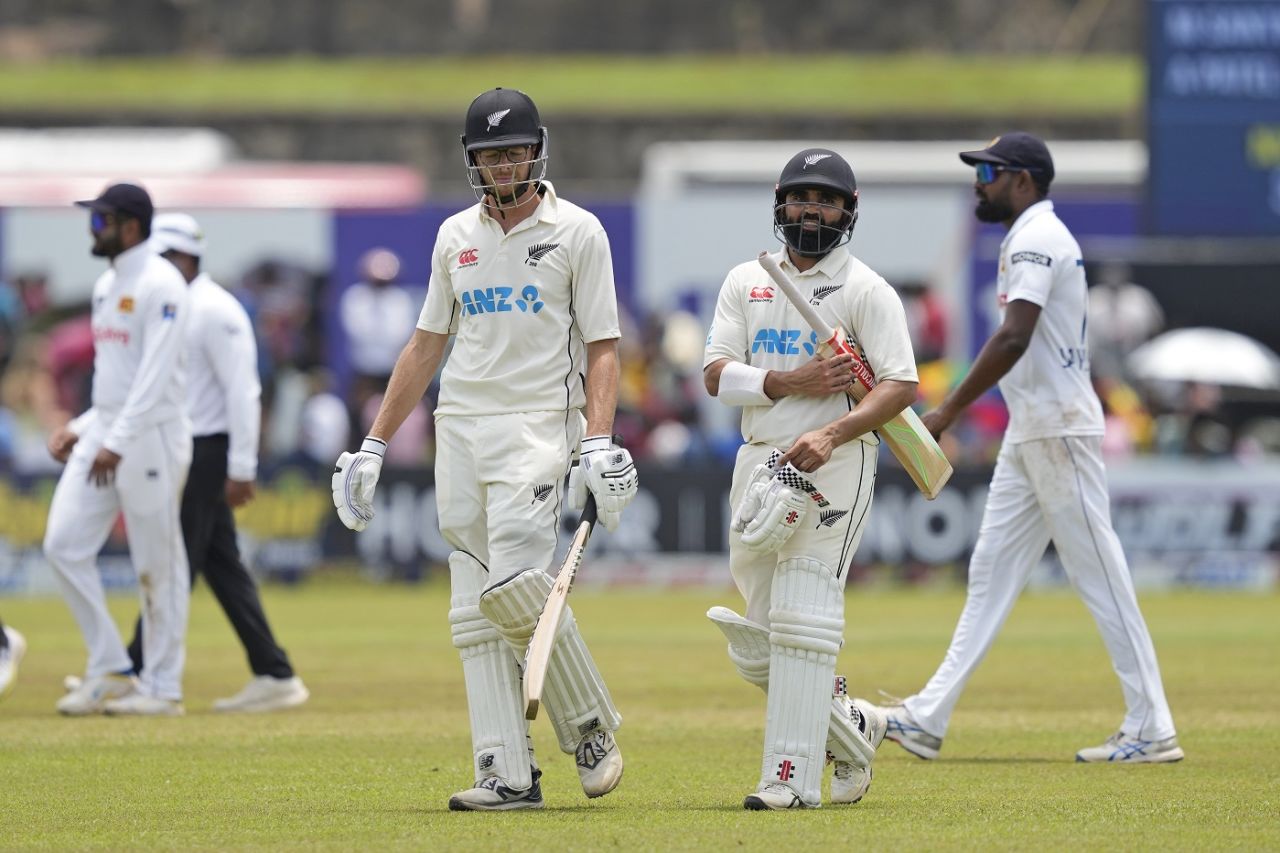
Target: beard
106 247
992 210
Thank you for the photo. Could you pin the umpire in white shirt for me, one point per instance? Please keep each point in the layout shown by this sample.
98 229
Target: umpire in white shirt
224 402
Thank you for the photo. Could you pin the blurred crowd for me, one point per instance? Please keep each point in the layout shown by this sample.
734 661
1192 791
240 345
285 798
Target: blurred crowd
318 398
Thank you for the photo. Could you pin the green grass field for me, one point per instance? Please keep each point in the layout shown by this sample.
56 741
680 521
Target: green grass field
370 762
836 85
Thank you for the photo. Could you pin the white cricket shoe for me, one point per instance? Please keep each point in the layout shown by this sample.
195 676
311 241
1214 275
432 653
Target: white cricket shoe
91 694
10 657
142 705
266 693
849 783
599 763
493 795
1121 748
907 733
774 796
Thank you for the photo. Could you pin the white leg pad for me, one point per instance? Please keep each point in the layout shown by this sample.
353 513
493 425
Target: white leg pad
749 651
577 699
499 732
807 627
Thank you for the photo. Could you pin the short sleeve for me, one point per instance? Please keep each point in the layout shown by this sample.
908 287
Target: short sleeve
880 326
595 302
1030 271
727 337
440 310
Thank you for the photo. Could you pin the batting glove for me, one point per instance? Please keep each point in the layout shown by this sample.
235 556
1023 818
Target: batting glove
608 472
782 510
752 499
354 479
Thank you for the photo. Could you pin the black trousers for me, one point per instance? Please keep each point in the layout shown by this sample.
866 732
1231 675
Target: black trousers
209 529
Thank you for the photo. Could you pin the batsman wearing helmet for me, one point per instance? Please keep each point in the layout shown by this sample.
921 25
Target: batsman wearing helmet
524 281
803 480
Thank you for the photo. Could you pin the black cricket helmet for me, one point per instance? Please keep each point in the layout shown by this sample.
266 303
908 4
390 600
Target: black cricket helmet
823 169
503 118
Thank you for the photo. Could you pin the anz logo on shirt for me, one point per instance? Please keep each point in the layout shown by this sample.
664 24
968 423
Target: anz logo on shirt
497 300
784 342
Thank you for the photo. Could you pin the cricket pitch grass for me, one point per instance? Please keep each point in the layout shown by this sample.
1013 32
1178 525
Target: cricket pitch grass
369 763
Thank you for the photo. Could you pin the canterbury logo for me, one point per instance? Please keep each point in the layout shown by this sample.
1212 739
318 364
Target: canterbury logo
495 119
821 293
468 256
830 517
540 493
814 159
538 251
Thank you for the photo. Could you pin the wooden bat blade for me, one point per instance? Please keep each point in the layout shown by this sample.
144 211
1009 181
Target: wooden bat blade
542 643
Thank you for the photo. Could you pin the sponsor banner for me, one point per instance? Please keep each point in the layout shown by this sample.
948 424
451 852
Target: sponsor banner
1181 524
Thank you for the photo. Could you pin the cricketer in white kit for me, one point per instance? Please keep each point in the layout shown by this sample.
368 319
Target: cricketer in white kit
803 480
524 282
1049 481
128 453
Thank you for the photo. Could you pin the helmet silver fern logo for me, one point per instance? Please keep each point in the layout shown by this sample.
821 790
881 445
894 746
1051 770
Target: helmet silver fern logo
495 119
814 159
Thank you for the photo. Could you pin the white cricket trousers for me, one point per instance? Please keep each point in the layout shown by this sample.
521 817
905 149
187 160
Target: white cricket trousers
499 485
1050 489
148 490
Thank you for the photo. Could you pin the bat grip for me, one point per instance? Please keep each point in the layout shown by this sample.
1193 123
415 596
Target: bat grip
589 512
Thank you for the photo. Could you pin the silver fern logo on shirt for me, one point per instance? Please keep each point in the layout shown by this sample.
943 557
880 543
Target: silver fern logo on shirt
821 293
538 251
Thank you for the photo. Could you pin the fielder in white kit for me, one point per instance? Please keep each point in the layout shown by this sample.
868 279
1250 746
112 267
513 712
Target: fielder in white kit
1049 481
128 453
524 281
803 480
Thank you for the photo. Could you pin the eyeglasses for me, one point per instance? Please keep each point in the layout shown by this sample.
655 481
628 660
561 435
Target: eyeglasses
493 156
987 172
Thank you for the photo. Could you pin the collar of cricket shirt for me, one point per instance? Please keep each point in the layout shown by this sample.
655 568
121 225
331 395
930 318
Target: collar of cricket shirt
1043 206
548 210
131 261
830 266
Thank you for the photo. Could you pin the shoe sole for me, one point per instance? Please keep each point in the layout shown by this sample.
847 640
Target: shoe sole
263 707
923 752
177 712
457 805
1170 757
613 786
755 804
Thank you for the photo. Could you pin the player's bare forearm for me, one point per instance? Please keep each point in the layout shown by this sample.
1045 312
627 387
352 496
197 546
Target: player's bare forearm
881 405
409 380
602 386
998 356
818 377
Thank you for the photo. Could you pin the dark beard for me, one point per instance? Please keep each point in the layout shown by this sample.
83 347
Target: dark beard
988 210
106 248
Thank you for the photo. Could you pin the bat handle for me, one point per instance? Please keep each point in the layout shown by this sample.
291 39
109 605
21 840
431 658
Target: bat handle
589 512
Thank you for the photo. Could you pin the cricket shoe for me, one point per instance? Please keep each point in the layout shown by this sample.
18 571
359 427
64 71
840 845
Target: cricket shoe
599 763
849 782
10 657
492 795
265 693
142 705
906 732
1121 748
91 694
774 796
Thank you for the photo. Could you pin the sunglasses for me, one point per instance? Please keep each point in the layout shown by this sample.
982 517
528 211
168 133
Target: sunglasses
988 172
98 220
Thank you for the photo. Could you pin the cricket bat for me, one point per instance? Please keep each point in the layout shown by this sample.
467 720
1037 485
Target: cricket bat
905 434
538 656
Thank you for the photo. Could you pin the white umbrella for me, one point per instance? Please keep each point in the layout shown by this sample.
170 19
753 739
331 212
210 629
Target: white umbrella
1211 356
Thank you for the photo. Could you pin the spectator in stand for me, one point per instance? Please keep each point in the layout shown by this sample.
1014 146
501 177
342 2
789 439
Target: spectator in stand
1121 315
378 318
926 321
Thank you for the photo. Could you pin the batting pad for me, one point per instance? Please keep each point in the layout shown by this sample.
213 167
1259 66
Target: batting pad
499 731
807 625
577 700
749 651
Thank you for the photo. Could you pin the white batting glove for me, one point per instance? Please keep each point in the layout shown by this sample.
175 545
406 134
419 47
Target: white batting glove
354 479
782 511
752 498
608 472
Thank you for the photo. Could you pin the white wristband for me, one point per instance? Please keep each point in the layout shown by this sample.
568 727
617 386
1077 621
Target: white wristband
743 385
594 443
373 445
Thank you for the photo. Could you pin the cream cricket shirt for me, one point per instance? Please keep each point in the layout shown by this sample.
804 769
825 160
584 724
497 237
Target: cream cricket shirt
223 390
756 324
1048 391
523 306
139 317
